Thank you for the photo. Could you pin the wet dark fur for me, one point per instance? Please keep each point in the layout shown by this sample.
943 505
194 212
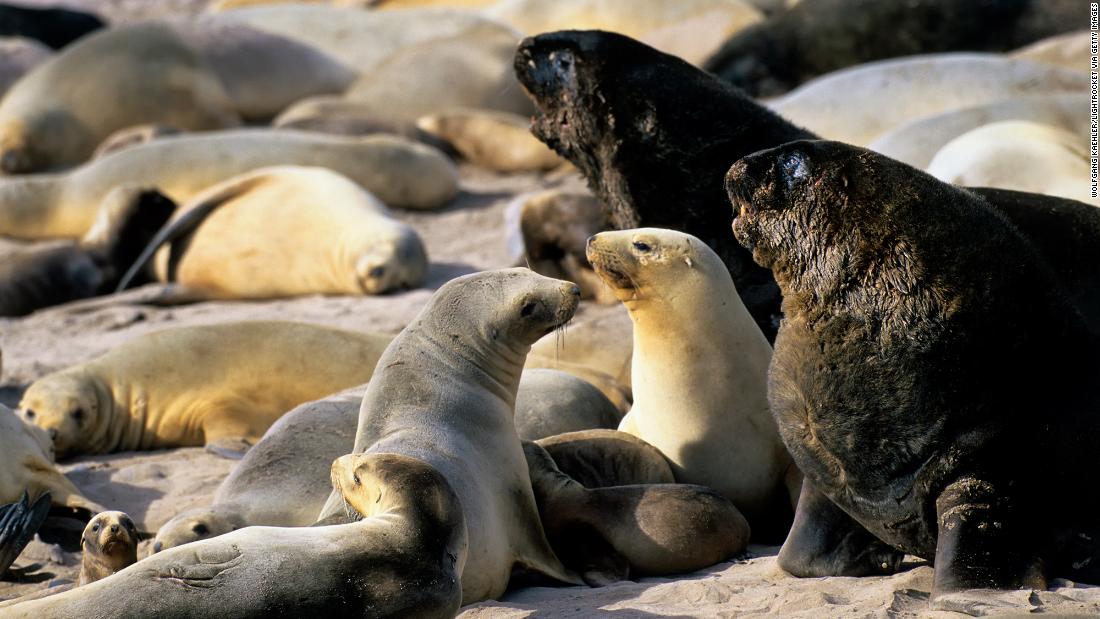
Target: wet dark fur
930 376
820 36
654 137
54 27
38 277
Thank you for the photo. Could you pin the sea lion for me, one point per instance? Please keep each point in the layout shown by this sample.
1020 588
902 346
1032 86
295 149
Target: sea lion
689 322
664 169
29 467
551 402
597 349
499 141
890 93
897 383
19 521
814 38
341 116
916 142
39 277
444 393
400 173
690 29
132 136
190 75
611 534
602 458
54 26
1019 155
1068 51
286 231
108 545
402 560
17 56
216 385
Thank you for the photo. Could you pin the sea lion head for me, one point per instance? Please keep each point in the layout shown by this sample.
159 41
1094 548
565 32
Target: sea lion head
195 525
110 540
651 262
395 265
504 308
33 142
66 406
372 483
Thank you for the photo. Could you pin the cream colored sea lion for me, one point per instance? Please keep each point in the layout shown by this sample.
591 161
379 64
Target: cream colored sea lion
1018 155
611 534
108 545
860 104
444 393
17 56
916 142
690 29
29 466
286 231
1068 51
498 141
217 385
402 560
399 172
190 75
690 323
551 402
132 136
601 458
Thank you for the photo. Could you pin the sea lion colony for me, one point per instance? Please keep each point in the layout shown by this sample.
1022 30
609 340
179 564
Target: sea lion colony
782 339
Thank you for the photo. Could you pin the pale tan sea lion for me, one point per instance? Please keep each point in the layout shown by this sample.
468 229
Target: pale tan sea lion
690 29
1068 51
216 385
614 533
402 560
193 76
17 56
499 141
444 393
132 136
689 324
859 104
399 172
286 231
108 545
1018 155
916 142
29 466
602 458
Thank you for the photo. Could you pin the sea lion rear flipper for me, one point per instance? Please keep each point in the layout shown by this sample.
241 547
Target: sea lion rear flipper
229 447
826 541
18 524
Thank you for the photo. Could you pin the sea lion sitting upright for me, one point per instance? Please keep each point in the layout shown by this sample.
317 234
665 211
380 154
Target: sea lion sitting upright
401 560
444 393
109 544
690 323
911 379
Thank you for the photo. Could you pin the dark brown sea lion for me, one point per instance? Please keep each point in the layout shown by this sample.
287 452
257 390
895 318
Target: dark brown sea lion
819 36
929 378
654 136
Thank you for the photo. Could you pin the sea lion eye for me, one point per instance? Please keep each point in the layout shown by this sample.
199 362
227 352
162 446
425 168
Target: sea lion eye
355 478
200 529
794 166
527 309
641 246
95 528
78 414
29 414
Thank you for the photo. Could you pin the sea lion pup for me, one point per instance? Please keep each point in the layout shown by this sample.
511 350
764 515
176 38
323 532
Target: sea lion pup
444 393
108 544
664 169
219 385
43 276
400 173
601 458
551 402
19 521
285 231
56 27
688 323
1019 155
614 533
29 466
499 141
814 38
616 109
402 560
897 383
890 93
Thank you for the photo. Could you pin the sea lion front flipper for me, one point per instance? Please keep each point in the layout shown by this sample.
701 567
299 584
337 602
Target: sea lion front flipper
981 544
231 448
18 523
826 541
